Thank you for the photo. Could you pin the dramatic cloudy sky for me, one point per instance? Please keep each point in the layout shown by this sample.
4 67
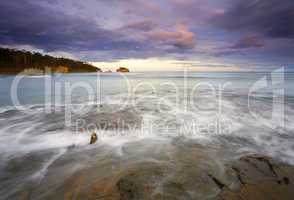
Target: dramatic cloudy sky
155 34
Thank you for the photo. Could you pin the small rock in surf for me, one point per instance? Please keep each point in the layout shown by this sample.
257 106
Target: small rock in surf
93 138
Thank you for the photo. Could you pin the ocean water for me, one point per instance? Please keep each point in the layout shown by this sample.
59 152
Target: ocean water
138 117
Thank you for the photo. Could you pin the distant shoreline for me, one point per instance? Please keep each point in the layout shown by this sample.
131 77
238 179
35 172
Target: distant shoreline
15 61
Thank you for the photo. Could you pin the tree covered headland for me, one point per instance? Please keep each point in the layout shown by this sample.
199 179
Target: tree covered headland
15 61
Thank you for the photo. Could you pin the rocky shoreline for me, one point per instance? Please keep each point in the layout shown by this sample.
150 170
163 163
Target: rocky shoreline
258 177
250 177
145 168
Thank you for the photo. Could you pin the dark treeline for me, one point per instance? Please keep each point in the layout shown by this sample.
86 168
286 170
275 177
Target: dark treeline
14 61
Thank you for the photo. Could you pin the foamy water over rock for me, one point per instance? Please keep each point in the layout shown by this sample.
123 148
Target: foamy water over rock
152 144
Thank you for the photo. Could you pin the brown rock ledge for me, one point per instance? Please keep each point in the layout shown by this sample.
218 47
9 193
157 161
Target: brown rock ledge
249 178
260 178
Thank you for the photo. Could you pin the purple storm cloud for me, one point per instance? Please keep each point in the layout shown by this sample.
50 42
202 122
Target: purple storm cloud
113 29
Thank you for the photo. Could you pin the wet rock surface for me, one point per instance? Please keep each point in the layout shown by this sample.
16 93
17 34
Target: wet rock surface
251 177
140 183
151 169
260 178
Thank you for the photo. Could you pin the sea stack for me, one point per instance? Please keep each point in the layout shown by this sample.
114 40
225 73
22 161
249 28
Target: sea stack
123 70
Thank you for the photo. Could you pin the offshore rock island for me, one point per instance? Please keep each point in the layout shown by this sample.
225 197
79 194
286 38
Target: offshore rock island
123 70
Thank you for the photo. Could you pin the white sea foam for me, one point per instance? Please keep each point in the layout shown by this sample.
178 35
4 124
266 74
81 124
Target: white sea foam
39 175
32 131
